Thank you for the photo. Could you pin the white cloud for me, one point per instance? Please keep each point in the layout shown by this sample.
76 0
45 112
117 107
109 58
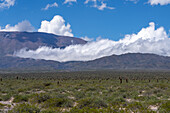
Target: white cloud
87 39
87 1
6 3
56 26
161 2
134 1
50 5
21 26
148 40
102 5
69 1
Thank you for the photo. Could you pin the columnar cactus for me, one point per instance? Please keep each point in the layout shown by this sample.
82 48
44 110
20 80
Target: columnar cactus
126 80
120 80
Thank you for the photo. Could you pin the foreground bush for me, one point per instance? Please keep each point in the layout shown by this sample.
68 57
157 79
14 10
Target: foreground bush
39 98
21 98
165 107
92 103
58 102
25 108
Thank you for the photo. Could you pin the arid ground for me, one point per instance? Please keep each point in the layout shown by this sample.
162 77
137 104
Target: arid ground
85 92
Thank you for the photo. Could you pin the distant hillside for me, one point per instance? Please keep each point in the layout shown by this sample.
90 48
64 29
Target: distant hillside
114 62
129 61
12 41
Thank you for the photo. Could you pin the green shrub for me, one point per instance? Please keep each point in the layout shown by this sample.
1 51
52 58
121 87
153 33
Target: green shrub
141 98
159 95
25 108
58 102
47 84
21 90
21 98
51 111
59 95
91 89
95 110
137 106
42 97
92 102
117 101
165 107
6 97
79 95
2 105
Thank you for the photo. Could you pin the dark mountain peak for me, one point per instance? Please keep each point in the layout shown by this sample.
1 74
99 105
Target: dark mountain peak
13 41
130 61
36 36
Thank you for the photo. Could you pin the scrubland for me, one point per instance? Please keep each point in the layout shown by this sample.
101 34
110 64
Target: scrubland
85 92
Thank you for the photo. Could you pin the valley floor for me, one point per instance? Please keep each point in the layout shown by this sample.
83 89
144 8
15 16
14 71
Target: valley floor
85 92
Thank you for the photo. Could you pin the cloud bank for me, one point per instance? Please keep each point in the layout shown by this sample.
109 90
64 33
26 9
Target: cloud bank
6 3
21 26
148 40
56 26
161 2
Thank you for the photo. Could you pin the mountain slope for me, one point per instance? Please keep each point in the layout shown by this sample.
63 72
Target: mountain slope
129 61
114 62
13 41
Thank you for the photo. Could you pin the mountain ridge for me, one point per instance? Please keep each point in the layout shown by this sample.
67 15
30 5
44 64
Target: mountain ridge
114 62
13 41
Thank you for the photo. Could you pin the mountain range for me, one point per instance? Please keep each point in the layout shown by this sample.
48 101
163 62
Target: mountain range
13 41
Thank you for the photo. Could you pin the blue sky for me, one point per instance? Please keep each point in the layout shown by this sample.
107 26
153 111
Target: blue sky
127 17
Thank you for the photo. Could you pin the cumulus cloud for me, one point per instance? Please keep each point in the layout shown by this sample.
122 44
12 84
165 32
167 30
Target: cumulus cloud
148 40
69 1
56 26
50 5
6 3
161 2
21 26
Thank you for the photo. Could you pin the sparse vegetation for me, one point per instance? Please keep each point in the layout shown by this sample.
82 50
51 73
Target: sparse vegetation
97 92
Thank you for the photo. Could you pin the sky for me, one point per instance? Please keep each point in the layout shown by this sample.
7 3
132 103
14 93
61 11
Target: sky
123 17
93 20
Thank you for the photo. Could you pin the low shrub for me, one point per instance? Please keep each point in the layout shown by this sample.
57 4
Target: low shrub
6 97
25 108
21 98
137 107
2 105
58 102
47 84
42 97
92 103
165 107
51 111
